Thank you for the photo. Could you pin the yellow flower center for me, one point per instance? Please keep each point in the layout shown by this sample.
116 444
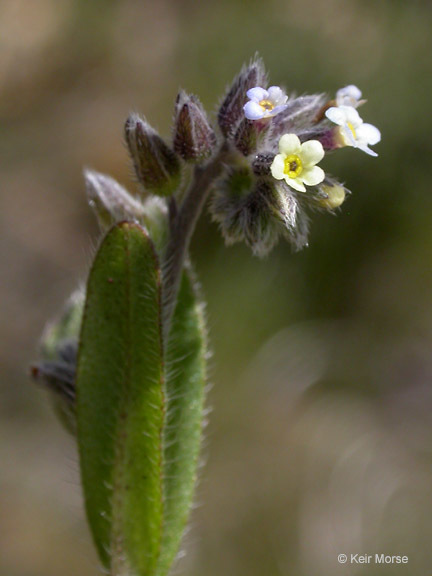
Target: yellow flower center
293 166
353 132
266 104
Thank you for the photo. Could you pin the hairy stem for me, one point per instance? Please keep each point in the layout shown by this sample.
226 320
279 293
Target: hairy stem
183 226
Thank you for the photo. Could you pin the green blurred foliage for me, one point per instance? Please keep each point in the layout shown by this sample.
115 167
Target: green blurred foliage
319 442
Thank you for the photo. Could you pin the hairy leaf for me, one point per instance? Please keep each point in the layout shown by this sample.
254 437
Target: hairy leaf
139 406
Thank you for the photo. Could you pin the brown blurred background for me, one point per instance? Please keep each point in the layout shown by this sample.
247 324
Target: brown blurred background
320 440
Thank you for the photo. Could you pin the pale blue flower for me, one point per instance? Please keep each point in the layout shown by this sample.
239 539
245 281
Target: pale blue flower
264 103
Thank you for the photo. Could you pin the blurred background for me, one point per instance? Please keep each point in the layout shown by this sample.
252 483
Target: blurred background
320 439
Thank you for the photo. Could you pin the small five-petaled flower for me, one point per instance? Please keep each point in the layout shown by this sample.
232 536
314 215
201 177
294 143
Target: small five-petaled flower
352 130
264 103
296 162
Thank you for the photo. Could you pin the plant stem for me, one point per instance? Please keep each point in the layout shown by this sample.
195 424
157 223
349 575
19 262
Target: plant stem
182 229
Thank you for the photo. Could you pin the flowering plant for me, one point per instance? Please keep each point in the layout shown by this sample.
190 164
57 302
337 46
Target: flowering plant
126 361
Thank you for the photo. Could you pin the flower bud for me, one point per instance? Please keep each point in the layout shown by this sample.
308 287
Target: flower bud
249 134
246 137
231 110
332 196
58 376
110 201
194 138
299 116
56 370
330 138
157 167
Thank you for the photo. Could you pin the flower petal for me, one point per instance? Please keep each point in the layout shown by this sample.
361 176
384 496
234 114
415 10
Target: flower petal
368 133
278 166
343 114
336 115
351 115
347 136
253 111
295 183
366 149
278 109
313 176
289 144
257 94
277 95
312 152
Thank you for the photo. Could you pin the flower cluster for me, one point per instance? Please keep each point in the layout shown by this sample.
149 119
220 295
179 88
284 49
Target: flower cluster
262 166
282 140
263 163
259 167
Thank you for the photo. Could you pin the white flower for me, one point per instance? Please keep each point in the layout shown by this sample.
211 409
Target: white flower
352 130
264 103
296 162
349 96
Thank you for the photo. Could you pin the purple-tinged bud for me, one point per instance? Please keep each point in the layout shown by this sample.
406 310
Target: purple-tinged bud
231 110
249 134
157 166
56 369
194 138
58 376
262 163
299 116
330 138
110 201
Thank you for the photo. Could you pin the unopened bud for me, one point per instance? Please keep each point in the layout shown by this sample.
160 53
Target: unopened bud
333 196
57 367
299 116
194 138
58 376
110 201
157 166
249 134
330 138
231 110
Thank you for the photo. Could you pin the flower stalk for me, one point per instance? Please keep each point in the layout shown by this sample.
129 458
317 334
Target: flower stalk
183 226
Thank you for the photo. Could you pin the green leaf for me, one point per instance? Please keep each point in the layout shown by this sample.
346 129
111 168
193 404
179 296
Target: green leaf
139 407
185 391
120 402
